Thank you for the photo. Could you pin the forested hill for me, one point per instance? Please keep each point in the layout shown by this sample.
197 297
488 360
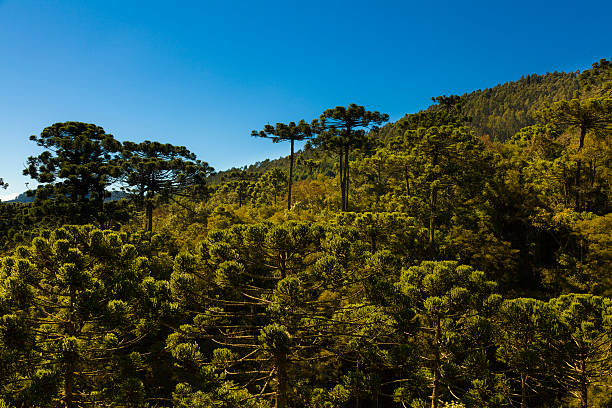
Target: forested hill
503 110
498 112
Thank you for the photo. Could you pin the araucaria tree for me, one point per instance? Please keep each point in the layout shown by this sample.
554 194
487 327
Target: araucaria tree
589 117
155 171
77 166
281 133
73 309
342 129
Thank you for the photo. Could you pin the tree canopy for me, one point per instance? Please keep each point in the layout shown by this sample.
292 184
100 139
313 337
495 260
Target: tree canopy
471 268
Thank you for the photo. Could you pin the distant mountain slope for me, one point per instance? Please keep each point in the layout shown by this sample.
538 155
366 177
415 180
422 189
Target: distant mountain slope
23 197
498 112
503 110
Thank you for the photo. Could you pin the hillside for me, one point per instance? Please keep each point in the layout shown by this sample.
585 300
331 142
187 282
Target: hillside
503 110
497 112
24 198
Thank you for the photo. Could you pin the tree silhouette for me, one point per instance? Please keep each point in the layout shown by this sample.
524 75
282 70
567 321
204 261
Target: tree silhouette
155 171
76 168
589 116
286 132
342 129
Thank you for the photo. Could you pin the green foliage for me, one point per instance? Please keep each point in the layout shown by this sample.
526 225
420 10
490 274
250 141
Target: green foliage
501 111
291 133
341 130
468 273
77 166
73 313
154 172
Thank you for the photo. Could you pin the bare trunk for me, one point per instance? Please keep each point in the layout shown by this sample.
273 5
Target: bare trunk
357 392
432 215
584 391
69 369
407 181
283 386
436 368
342 191
579 168
68 387
346 177
290 177
433 198
149 216
523 391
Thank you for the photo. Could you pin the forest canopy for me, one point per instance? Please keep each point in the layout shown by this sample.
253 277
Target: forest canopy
458 257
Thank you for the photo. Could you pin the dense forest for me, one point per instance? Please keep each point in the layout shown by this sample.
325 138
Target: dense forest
459 257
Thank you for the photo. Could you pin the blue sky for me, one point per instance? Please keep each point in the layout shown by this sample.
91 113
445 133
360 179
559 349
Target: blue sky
205 73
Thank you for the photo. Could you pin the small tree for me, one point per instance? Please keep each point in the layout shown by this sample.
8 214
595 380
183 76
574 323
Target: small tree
291 133
523 335
270 185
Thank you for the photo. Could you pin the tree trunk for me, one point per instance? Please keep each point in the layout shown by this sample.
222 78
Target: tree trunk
579 168
342 191
523 391
432 215
346 177
584 387
69 369
357 391
149 216
68 386
433 198
584 396
283 386
436 368
290 176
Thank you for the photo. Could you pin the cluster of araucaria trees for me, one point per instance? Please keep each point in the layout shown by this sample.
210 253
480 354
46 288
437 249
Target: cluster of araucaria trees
81 162
295 314
461 273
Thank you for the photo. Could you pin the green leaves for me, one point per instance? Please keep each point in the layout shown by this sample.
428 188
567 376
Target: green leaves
72 302
276 340
153 172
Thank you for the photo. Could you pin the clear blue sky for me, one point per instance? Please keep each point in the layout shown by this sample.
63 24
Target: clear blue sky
205 73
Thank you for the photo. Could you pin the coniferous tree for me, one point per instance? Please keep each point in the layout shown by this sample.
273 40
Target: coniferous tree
78 165
154 172
450 301
589 117
584 355
287 132
341 130
525 329
75 304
